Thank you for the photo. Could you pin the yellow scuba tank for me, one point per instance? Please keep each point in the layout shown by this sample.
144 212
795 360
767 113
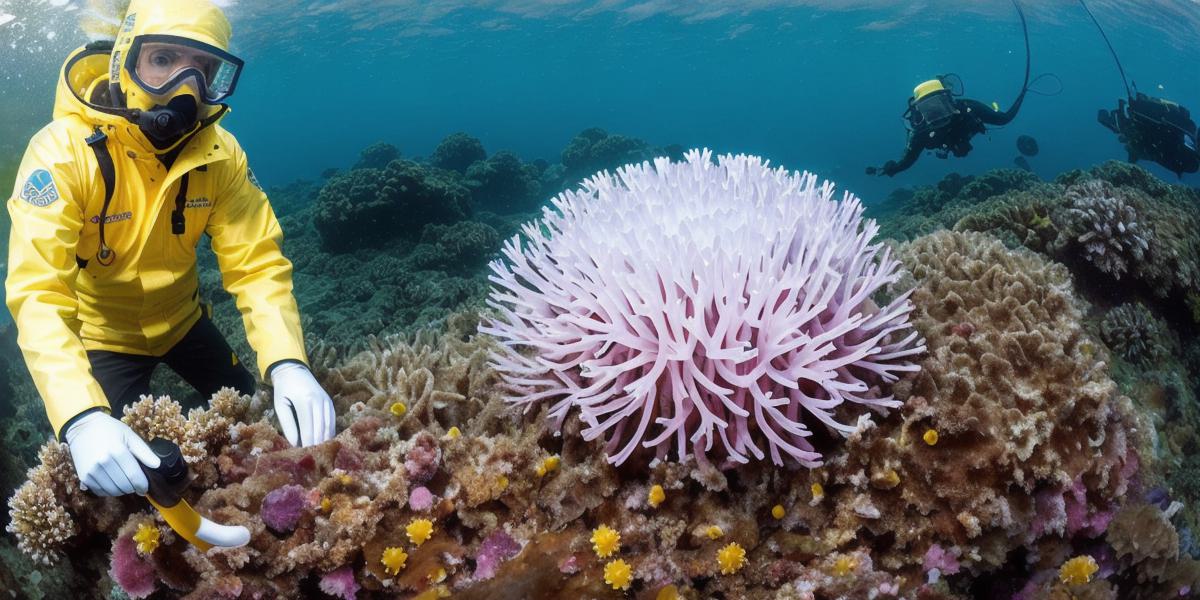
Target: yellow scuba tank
928 87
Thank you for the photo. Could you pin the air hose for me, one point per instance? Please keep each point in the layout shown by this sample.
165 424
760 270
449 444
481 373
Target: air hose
1124 79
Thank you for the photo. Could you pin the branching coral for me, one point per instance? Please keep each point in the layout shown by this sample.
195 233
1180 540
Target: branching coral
1136 334
1107 226
693 306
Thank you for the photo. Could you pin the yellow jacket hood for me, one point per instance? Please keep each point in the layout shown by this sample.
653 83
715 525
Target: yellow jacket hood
83 92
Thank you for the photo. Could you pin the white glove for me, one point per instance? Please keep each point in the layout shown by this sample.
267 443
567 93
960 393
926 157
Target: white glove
305 411
106 453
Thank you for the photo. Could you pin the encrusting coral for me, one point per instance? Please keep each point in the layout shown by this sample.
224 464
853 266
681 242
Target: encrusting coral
744 321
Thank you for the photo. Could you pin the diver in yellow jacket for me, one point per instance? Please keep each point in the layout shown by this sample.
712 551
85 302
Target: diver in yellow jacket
111 200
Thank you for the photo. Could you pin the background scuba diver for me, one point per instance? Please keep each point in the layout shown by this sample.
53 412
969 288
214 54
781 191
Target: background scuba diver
939 120
1150 128
112 199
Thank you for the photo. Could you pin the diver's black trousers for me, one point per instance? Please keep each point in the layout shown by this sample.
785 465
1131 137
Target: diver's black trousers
202 358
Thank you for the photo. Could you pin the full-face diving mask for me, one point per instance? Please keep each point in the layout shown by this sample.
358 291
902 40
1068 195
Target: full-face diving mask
173 83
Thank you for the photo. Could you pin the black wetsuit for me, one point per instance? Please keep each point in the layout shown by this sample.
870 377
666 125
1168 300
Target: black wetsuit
953 137
202 358
1155 130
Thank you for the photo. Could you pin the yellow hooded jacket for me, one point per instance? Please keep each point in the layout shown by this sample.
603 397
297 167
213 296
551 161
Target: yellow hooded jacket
147 300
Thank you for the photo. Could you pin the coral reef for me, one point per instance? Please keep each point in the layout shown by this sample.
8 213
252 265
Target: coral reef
368 207
503 184
457 153
722 365
376 156
1014 466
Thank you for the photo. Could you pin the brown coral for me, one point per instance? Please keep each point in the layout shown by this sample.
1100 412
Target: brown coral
1020 404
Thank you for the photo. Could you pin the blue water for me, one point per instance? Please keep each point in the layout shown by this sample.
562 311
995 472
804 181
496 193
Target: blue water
812 85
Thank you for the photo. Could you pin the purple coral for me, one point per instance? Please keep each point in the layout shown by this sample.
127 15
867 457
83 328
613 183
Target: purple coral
696 305
496 549
133 573
340 584
283 507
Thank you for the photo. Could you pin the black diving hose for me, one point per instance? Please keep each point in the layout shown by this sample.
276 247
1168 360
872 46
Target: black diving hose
1124 79
1012 112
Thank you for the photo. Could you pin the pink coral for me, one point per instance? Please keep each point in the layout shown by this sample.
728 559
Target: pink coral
422 459
340 584
496 549
420 499
938 558
283 507
133 573
697 304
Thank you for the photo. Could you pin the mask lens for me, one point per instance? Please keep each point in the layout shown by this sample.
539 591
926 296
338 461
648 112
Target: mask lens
160 66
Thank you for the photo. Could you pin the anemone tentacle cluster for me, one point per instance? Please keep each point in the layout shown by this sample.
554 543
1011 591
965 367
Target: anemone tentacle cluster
716 308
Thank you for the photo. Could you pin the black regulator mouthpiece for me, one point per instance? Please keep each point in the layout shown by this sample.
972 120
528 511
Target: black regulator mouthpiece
164 125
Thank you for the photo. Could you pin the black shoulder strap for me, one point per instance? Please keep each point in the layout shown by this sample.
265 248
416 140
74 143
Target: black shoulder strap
178 225
108 172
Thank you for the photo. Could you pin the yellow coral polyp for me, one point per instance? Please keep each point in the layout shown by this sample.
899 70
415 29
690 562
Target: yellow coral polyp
713 532
605 541
398 409
731 558
326 505
393 560
818 491
891 478
419 530
778 512
346 479
549 465
844 565
146 538
618 574
502 482
657 495
438 575
1078 570
668 593
930 437
454 433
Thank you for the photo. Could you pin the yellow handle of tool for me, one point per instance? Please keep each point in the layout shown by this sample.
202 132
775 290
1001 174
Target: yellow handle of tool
184 520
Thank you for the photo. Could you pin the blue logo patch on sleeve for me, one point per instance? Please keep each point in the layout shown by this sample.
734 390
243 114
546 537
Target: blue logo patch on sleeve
39 190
